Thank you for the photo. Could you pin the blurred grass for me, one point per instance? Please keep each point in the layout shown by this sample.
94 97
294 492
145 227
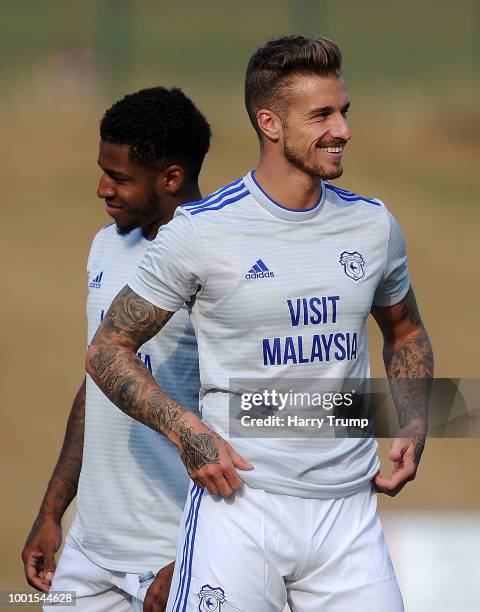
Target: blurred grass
426 41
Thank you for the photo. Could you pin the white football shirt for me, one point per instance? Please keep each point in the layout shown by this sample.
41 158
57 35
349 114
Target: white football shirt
277 293
133 484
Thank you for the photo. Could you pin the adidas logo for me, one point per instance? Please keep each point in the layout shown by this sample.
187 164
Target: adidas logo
258 270
97 281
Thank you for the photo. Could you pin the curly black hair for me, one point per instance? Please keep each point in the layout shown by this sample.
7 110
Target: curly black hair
159 125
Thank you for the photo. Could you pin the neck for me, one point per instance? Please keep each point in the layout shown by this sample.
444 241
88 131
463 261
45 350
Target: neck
291 187
150 230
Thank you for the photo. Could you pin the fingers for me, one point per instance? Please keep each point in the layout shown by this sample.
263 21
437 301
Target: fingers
393 484
233 480
157 594
210 485
33 567
149 600
237 459
404 468
398 448
211 477
224 489
160 604
218 479
49 565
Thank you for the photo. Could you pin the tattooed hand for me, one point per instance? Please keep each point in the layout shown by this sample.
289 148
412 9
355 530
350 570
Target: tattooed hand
113 365
210 460
408 361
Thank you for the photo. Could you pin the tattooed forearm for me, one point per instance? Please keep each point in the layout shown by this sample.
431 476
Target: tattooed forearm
62 487
409 365
130 386
409 369
128 383
112 363
197 449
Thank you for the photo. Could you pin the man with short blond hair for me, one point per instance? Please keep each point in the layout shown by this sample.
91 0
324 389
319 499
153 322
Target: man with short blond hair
280 270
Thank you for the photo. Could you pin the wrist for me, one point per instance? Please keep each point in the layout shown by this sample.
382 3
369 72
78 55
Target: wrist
418 425
189 423
51 516
415 430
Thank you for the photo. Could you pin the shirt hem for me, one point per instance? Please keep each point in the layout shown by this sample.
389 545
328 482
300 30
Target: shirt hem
313 491
112 566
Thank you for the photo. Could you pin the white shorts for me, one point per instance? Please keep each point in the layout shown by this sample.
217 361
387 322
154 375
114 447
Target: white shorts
97 589
255 551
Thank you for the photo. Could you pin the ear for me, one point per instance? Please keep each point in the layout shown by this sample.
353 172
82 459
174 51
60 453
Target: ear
172 178
269 124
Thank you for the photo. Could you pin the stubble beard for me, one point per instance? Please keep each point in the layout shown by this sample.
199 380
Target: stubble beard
301 161
142 218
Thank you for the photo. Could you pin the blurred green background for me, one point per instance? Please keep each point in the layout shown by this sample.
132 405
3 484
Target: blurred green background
412 71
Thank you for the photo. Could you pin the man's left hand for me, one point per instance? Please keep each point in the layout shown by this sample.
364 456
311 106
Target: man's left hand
157 594
405 454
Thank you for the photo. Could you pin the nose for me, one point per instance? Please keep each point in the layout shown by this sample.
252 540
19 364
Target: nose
105 188
341 129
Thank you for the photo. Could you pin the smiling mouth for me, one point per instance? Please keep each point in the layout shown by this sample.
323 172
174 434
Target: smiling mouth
332 149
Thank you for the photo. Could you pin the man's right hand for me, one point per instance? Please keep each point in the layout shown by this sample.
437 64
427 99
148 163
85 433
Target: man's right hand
39 552
210 460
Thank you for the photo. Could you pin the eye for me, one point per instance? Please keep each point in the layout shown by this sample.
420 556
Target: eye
118 180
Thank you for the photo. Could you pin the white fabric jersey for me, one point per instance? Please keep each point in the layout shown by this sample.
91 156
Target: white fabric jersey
133 485
280 293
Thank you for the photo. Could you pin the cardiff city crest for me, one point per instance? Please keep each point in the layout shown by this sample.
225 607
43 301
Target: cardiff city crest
353 264
211 599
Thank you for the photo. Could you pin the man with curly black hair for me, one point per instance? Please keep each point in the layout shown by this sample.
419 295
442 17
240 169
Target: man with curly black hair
131 483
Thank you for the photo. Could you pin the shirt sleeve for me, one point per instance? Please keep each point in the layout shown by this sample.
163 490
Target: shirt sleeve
171 271
91 255
395 280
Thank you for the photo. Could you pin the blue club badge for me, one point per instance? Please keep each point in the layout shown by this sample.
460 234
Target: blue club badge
211 599
353 264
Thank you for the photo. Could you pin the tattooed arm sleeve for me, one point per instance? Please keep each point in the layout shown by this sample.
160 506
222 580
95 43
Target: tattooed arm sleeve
113 365
408 359
112 362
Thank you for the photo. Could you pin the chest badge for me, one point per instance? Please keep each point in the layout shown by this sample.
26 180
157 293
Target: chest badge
353 264
211 599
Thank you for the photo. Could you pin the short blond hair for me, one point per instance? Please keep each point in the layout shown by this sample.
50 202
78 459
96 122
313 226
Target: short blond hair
280 58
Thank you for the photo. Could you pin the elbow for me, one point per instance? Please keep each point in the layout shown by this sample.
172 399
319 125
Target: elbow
409 336
99 359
